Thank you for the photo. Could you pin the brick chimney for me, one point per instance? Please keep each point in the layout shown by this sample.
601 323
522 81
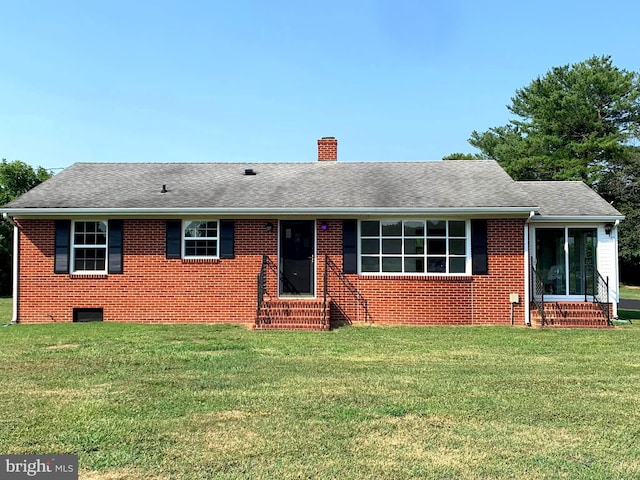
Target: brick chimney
327 149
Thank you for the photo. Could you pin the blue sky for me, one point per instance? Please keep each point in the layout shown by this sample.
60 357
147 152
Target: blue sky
252 81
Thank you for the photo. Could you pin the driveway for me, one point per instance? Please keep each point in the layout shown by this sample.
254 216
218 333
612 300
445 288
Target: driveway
629 304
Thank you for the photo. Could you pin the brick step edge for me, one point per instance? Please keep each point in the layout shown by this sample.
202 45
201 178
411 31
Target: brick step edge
300 312
302 320
290 326
547 326
557 324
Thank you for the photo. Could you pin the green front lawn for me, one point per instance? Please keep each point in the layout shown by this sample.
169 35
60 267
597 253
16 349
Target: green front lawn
629 292
628 315
200 402
5 310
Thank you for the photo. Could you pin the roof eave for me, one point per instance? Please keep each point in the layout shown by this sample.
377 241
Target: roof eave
576 218
263 212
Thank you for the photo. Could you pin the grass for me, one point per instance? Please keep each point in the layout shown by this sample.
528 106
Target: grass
195 401
5 310
628 315
629 292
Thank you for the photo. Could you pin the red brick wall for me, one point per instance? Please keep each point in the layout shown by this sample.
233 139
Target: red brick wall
454 300
156 290
506 275
152 288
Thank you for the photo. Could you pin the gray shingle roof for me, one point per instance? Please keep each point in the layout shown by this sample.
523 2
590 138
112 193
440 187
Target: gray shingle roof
438 184
334 186
565 199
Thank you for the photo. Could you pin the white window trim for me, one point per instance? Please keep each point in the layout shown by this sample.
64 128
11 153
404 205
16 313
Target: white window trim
185 238
72 266
468 259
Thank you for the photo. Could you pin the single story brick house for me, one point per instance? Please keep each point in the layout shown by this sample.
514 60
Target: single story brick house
310 245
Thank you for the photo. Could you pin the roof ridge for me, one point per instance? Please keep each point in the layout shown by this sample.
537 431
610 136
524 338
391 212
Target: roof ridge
306 162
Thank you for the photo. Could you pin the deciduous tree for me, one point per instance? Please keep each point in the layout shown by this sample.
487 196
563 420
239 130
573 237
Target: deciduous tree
16 178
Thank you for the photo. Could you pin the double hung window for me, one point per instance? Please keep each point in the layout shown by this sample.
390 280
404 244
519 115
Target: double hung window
201 238
89 246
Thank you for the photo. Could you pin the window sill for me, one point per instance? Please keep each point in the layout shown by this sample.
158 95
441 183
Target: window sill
200 260
463 277
88 276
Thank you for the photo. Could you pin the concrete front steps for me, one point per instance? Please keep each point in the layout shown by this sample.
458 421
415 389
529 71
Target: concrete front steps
570 314
294 314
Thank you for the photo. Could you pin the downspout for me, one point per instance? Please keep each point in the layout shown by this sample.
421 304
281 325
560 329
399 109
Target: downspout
527 271
614 304
14 316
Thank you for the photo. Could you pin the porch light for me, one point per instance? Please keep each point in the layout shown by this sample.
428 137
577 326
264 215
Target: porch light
268 227
324 226
608 228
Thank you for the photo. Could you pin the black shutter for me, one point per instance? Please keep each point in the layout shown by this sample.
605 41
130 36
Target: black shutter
227 240
479 257
174 239
350 246
62 246
115 246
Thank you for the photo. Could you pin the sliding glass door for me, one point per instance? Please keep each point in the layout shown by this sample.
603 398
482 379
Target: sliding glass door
566 260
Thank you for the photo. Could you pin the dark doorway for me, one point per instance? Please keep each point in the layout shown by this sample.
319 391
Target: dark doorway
297 252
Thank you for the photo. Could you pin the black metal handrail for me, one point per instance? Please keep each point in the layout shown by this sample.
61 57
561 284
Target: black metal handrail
599 288
537 293
262 286
343 294
601 294
325 292
262 278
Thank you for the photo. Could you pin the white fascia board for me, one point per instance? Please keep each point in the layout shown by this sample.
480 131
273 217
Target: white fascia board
575 219
261 212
